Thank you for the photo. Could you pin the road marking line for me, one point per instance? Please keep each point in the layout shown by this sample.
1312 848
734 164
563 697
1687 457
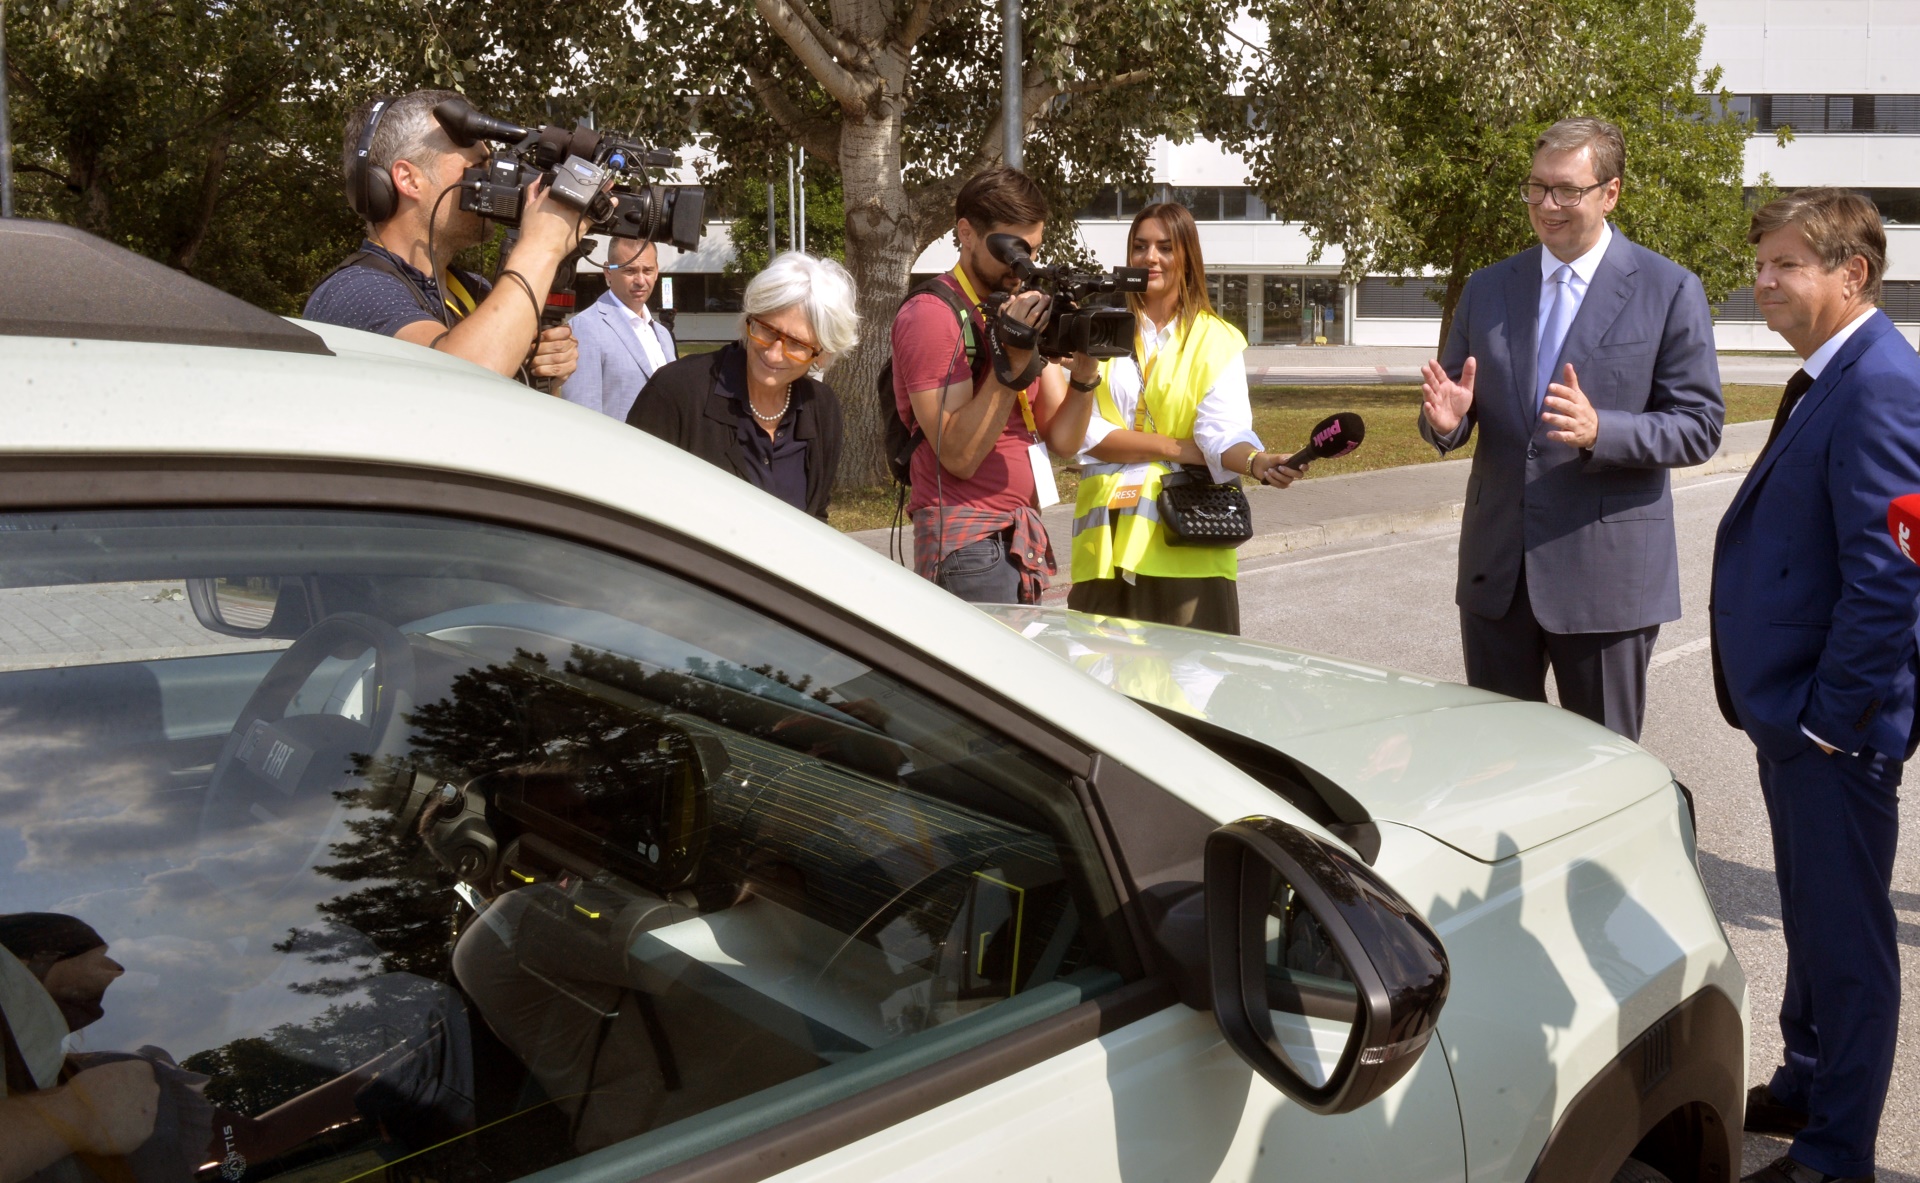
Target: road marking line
1719 480
1678 652
1349 554
1455 533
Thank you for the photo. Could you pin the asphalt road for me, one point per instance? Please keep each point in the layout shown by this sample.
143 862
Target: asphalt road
1390 600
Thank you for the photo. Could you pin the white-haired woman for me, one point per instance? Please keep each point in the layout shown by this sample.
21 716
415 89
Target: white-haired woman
756 407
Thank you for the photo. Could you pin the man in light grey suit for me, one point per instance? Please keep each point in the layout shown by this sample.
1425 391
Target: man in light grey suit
1588 364
621 342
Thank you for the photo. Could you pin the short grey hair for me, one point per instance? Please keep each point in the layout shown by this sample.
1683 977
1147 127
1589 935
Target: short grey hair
406 132
821 287
1571 135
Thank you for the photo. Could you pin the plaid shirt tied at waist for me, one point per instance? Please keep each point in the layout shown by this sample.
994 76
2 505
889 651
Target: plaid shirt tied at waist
938 531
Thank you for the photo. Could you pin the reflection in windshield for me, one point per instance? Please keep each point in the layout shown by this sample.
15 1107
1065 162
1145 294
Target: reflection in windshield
518 852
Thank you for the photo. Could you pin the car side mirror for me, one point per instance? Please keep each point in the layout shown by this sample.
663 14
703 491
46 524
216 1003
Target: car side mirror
252 606
1324 980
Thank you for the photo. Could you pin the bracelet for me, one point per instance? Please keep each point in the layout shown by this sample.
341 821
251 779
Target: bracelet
1075 383
1251 457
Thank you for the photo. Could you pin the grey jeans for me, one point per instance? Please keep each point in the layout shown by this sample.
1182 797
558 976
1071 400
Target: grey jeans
981 572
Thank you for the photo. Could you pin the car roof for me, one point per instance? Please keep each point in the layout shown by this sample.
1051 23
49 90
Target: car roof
59 281
387 402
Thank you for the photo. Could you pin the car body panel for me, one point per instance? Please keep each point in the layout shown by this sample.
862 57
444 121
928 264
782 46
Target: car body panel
1561 956
1485 774
1163 1098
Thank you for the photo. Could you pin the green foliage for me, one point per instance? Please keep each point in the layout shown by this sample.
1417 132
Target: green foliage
1417 161
743 194
206 133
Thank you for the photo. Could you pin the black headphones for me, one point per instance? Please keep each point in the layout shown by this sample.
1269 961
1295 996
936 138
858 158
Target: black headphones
370 190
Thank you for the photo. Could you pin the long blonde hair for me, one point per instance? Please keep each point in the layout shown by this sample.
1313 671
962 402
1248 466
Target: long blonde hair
1189 271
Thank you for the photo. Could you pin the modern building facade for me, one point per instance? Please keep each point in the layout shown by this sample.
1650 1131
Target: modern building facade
1844 74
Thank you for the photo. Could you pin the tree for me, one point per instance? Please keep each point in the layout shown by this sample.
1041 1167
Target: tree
1400 130
900 98
206 133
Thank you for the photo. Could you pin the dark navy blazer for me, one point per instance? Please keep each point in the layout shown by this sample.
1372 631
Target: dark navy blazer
1595 527
1814 607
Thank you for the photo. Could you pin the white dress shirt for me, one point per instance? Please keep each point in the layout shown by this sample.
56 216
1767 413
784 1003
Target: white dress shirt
1584 269
1226 410
1816 362
641 323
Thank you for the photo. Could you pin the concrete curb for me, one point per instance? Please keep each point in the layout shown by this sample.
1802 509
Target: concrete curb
1373 525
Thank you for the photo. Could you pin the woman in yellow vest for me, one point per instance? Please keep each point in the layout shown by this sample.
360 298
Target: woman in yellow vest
1181 399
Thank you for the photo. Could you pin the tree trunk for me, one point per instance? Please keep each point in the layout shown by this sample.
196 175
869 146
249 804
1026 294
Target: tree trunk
882 242
185 251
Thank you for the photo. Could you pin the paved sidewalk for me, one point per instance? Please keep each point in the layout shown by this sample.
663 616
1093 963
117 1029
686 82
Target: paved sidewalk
1324 510
1387 365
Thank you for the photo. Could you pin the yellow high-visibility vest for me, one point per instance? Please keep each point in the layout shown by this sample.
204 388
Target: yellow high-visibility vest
1116 520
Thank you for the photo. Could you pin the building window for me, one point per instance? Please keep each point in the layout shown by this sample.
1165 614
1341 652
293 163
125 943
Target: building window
1826 114
1898 207
1408 297
1209 203
707 292
1899 299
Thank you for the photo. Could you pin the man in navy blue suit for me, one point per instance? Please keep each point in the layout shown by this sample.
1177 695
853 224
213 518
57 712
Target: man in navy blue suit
1814 657
1587 363
622 343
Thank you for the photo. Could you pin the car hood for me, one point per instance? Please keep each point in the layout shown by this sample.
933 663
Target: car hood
1485 774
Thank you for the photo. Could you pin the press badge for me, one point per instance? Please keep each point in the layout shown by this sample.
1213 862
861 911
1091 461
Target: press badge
1045 491
1127 496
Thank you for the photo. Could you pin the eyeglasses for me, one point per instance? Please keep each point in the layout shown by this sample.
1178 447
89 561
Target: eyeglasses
1533 193
616 268
764 335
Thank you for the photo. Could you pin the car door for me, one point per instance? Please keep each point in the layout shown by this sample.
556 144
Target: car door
551 845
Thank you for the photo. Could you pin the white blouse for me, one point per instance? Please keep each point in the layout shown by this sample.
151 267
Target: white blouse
1226 410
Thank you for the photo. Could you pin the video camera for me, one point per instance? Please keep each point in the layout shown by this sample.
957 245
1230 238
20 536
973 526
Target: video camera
1096 332
579 165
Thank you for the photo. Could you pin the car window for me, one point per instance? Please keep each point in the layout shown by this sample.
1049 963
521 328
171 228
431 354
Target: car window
417 840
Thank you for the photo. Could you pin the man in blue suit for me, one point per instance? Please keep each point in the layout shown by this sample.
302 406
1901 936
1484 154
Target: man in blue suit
1814 657
621 342
1587 363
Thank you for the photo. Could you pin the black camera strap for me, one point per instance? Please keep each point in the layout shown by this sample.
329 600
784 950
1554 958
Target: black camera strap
1003 365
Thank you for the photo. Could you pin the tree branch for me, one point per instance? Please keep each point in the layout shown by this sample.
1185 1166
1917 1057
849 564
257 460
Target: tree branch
820 137
1095 85
64 178
798 32
909 31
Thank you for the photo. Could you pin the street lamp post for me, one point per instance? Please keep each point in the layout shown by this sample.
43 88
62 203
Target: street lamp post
1016 124
6 133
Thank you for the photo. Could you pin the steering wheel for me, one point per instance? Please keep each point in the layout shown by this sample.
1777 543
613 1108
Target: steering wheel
276 769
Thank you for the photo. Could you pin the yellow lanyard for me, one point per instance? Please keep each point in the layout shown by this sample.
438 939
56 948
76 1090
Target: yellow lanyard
1026 408
1141 419
457 291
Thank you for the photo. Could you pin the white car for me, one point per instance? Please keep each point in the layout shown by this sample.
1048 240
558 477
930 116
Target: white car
474 788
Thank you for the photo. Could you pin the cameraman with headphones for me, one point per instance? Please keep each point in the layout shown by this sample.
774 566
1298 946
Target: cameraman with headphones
402 175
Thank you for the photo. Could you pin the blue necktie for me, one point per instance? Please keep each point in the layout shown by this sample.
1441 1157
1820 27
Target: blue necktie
1553 333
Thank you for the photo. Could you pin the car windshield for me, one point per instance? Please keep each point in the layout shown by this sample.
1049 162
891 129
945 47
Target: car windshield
434 841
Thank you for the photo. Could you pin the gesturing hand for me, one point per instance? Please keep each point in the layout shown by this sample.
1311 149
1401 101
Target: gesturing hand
1567 411
1442 400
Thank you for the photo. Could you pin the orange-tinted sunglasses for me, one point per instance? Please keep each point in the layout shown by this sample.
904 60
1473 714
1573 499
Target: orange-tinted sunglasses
763 334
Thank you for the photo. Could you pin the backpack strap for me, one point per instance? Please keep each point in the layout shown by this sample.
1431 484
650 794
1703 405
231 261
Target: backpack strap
958 303
375 261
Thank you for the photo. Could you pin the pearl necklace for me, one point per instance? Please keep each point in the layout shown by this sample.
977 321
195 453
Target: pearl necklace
777 415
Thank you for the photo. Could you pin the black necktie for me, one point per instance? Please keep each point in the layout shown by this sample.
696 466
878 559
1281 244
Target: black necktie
1797 385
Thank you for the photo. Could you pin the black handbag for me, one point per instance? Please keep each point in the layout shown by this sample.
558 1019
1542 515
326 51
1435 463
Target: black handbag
1196 512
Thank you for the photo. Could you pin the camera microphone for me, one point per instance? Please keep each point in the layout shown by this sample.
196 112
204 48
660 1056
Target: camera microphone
1336 435
1903 522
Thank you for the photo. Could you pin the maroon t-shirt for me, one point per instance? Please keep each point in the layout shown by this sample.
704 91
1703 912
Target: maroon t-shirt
928 354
